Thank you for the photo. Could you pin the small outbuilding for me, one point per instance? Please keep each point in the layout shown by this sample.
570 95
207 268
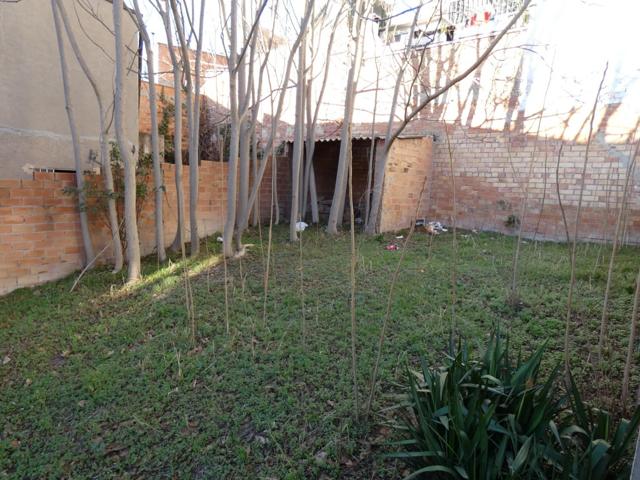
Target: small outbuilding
407 172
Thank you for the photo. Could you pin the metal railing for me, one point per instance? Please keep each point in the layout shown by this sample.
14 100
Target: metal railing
461 12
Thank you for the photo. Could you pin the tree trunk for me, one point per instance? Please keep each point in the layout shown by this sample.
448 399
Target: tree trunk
104 154
178 241
247 126
576 227
632 343
230 222
614 248
274 186
130 221
84 221
276 117
254 171
376 201
194 144
309 184
243 148
381 162
193 117
336 213
372 150
195 238
158 180
298 144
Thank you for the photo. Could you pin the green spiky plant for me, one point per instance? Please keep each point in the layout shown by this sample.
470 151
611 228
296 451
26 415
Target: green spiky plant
591 445
494 418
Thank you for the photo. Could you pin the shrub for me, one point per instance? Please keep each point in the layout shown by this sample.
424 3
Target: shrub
97 197
493 418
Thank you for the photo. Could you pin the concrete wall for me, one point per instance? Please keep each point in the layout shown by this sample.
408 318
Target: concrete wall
34 131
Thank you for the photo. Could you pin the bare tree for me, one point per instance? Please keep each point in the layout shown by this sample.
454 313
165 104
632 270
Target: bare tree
158 180
192 93
256 92
394 101
130 220
372 146
298 142
75 140
352 278
309 191
560 205
393 133
572 280
245 81
194 145
632 343
178 242
454 242
193 114
514 297
275 119
232 61
336 213
249 99
105 163
614 248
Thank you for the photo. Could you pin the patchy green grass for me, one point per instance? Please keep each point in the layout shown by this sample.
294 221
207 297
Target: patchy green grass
105 382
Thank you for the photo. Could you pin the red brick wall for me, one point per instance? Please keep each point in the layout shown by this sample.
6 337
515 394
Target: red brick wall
492 115
144 112
40 232
491 170
283 189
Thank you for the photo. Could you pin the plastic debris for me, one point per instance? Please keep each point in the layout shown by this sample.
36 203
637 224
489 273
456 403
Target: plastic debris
301 226
392 247
432 228
220 239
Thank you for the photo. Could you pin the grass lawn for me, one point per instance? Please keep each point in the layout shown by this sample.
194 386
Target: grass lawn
105 382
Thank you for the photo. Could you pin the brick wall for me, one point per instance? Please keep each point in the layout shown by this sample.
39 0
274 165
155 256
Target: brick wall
40 231
283 189
491 170
164 99
500 120
408 167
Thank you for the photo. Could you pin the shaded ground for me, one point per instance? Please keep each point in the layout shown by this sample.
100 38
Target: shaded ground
105 382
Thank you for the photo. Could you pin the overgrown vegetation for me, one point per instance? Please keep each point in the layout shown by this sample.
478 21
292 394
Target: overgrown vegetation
97 197
496 418
106 382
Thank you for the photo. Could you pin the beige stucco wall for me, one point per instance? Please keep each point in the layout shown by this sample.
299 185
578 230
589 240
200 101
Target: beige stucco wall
34 130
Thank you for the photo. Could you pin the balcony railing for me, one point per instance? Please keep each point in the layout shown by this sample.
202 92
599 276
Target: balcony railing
470 12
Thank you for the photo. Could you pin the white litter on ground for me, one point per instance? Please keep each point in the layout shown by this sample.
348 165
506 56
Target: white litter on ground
433 228
301 226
